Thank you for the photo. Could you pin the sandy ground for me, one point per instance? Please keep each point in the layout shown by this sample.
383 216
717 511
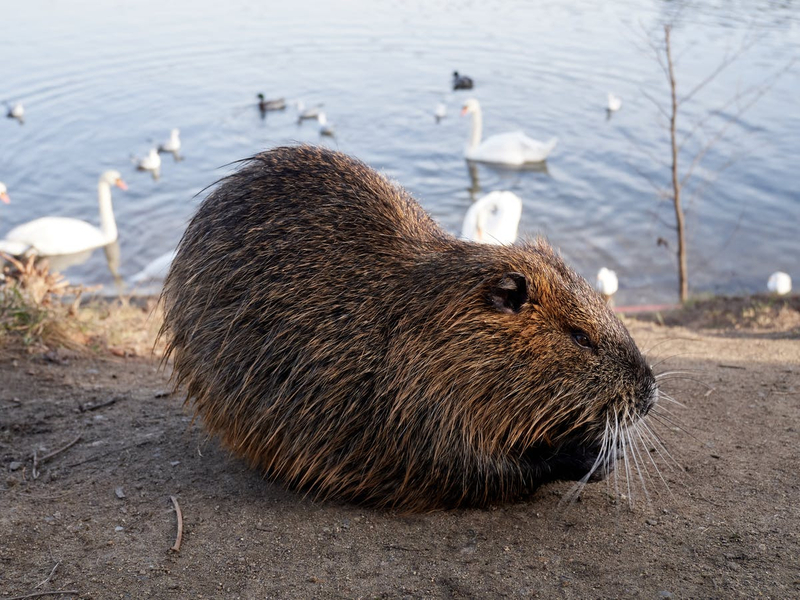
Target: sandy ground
98 520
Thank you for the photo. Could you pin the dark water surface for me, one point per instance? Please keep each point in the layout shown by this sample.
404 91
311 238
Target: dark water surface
102 81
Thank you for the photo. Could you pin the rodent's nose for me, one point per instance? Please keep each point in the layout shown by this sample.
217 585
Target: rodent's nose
647 402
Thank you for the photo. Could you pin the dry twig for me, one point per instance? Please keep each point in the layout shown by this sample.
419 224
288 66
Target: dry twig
49 577
176 547
97 406
40 594
47 457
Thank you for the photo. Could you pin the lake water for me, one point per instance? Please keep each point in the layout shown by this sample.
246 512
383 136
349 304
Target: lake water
102 81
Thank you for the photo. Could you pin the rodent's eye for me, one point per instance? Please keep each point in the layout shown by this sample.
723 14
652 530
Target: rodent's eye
580 338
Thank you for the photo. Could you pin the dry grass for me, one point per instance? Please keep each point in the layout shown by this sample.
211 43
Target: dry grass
776 313
41 311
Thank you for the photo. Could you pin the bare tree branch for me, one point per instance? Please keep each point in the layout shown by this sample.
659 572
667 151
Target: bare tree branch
758 93
683 277
660 191
660 108
727 61
634 142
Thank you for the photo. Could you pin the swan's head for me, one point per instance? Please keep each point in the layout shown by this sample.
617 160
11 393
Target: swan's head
113 178
322 119
607 282
4 193
779 283
470 106
175 133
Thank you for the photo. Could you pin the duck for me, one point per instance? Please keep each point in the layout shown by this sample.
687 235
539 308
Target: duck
461 82
156 270
264 105
440 112
173 144
325 128
514 148
4 193
614 103
16 112
307 114
53 236
493 219
606 283
151 162
779 283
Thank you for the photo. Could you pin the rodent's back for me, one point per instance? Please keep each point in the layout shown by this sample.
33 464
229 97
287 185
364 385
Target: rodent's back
332 334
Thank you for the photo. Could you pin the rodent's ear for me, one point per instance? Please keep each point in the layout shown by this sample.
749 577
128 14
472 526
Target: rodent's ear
509 293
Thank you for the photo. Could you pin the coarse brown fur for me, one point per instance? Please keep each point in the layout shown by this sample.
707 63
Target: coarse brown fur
331 333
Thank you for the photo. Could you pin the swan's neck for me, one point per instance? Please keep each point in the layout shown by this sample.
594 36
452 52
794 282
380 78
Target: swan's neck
477 129
107 223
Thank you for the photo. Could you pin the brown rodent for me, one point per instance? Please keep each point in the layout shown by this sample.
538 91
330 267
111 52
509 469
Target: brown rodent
329 332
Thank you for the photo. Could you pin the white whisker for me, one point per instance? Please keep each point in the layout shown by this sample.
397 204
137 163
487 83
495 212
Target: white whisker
663 395
641 433
639 467
659 446
670 357
661 376
627 467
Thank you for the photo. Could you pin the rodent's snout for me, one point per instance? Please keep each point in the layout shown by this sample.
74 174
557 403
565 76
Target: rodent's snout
647 402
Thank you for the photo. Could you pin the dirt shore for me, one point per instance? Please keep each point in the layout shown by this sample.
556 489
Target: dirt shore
96 519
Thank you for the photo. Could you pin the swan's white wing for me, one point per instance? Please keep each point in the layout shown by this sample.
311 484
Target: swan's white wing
13 248
50 236
513 148
534 150
503 148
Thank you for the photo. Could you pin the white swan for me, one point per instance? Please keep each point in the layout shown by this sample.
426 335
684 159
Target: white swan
4 193
155 270
51 236
493 219
779 283
607 283
614 102
173 144
513 148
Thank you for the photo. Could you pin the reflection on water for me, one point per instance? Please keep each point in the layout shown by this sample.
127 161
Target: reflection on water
102 82
113 258
508 173
62 262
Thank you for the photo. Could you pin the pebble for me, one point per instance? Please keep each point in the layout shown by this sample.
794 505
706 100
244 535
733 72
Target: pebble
15 466
120 493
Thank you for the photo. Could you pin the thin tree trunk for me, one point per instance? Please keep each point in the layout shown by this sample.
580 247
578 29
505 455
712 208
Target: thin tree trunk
683 277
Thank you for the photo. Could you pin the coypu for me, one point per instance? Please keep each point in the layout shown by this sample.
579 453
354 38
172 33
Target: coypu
333 335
